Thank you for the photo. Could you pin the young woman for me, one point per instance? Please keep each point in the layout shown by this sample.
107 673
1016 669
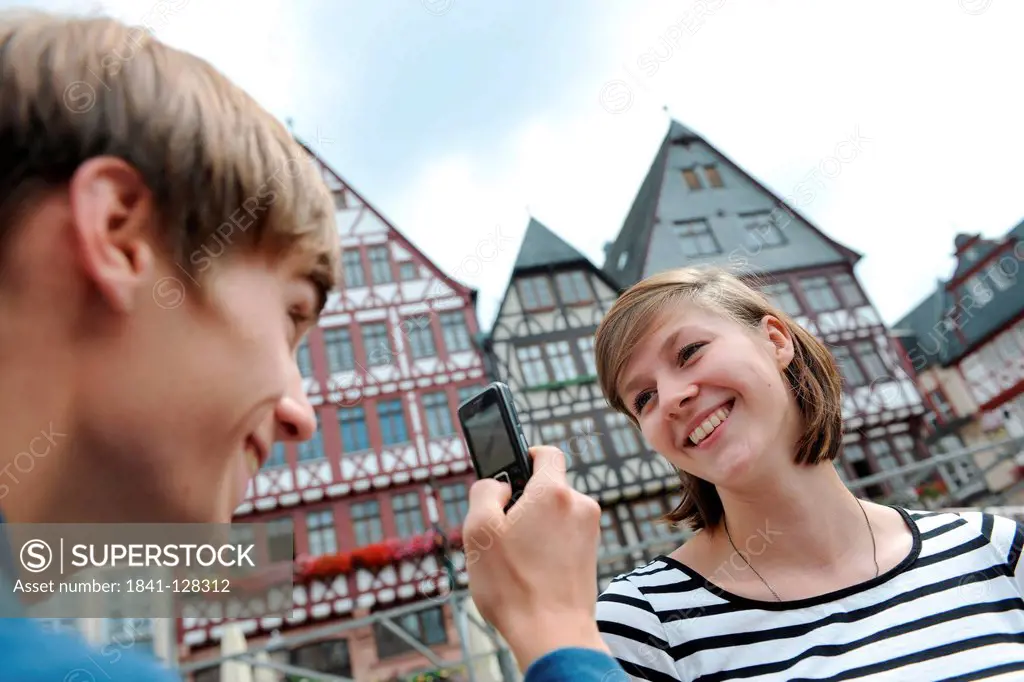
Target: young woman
789 576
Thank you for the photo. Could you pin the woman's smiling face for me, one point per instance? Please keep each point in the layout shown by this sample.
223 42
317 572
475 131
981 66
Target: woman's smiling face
709 393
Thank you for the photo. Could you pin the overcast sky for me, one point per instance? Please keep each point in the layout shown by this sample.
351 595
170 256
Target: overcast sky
455 117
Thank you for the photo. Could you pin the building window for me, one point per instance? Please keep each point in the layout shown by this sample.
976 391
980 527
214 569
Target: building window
280 539
586 441
304 359
455 500
1002 279
136 633
467 392
377 340
320 532
392 422
872 362
849 290
407 270
354 436
439 417
887 462
623 434
312 448
454 331
380 265
979 291
819 294
276 458
586 348
573 287
408 514
623 258
341 356
352 266
426 627
366 524
576 440
330 656
560 357
535 293
762 232
531 365
420 336
782 295
714 178
905 448
696 239
691 178
611 541
645 514
848 366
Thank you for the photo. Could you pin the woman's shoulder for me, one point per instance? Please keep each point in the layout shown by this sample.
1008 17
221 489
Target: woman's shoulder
993 530
642 593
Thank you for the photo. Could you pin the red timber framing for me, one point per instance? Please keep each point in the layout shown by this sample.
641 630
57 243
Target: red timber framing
402 357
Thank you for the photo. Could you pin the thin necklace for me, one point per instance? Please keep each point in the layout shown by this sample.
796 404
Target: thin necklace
874 550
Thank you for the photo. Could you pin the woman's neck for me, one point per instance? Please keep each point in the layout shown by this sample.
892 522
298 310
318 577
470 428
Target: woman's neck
804 519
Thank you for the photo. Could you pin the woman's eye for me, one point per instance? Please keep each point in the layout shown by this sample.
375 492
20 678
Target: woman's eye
640 401
686 352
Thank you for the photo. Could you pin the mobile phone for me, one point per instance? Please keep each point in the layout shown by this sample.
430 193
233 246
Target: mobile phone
497 444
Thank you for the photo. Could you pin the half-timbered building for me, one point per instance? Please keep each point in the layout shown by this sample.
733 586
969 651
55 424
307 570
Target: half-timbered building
359 512
966 341
697 207
542 346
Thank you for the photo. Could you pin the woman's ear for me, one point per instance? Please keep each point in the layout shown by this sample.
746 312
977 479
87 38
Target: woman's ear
780 338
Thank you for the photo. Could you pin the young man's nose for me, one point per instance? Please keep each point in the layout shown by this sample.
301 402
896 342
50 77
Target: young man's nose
294 415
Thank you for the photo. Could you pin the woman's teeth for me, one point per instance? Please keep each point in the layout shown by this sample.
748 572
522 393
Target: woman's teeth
710 424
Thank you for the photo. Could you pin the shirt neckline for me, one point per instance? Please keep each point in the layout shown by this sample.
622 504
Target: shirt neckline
908 560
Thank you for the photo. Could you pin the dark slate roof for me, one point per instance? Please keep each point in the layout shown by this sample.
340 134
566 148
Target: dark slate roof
969 250
636 230
542 248
922 331
947 325
808 245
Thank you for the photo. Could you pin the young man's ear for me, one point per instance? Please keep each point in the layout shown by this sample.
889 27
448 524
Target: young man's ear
780 338
112 213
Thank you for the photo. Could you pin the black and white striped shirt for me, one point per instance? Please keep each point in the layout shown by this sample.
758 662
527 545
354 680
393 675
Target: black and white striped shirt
951 610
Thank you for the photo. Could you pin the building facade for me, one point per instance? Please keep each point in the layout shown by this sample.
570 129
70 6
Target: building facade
966 341
697 207
361 513
542 346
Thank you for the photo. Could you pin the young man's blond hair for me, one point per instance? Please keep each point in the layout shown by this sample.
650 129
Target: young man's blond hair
165 244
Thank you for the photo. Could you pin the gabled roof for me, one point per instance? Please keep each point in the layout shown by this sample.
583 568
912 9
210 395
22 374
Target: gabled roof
633 242
543 248
636 229
472 292
969 250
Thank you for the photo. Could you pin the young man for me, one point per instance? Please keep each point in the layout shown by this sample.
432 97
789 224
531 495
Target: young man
164 246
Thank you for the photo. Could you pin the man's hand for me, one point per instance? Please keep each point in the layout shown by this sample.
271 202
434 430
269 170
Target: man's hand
533 573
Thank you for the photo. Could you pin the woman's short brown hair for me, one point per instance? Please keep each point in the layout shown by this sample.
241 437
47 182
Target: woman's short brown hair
813 375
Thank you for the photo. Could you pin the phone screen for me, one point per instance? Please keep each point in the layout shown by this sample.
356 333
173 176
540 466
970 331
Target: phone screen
490 440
